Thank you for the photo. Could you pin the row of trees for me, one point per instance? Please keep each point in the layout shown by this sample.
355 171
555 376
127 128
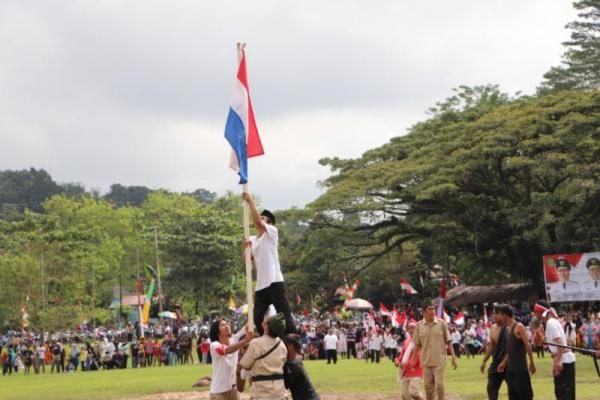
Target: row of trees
484 187
64 262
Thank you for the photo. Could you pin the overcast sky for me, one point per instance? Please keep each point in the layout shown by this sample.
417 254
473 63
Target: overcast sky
137 92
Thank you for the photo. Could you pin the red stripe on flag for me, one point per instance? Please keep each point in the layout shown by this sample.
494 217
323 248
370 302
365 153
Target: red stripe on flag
253 144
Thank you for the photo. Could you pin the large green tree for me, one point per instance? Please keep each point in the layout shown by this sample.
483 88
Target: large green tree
581 61
488 187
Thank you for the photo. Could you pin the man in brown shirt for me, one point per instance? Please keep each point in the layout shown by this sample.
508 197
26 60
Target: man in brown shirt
264 359
432 338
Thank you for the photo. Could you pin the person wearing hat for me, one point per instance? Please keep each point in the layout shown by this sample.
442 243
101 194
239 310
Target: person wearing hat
565 284
264 360
563 360
294 375
269 279
432 339
592 284
410 374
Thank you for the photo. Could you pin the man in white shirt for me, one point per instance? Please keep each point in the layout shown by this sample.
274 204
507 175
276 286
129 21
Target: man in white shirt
565 284
330 342
269 279
592 284
224 352
563 364
375 343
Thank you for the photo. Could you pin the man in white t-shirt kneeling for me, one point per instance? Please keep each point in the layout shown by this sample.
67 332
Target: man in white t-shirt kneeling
269 279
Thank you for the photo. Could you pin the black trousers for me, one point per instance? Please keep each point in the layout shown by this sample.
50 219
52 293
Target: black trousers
274 294
331 355
495 380
374 354
519 385
564 384
456 347
351 350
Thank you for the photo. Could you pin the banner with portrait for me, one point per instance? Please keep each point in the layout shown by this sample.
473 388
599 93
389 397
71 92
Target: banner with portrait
572 277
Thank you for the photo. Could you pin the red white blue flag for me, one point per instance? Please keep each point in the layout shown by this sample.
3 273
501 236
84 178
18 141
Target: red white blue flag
240 130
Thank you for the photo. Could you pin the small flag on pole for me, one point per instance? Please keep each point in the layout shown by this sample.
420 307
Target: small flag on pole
407 286
240 130
459 319
232 306
383 310
146 309
440 309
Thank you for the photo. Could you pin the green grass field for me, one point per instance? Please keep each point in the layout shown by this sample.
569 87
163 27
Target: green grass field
345 377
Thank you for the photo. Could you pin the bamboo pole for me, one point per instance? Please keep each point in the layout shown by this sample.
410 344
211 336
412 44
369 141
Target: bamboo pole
247 254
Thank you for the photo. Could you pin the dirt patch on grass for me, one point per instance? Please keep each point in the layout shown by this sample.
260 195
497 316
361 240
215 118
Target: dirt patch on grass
204 395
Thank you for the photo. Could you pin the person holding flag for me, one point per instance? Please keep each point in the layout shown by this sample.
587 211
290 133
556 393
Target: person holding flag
269 279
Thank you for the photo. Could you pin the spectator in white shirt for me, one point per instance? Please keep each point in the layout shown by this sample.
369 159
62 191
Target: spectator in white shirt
330 342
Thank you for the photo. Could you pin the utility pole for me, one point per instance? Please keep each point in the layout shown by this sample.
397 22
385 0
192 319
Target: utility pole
160 296
94 295
43 299
138 289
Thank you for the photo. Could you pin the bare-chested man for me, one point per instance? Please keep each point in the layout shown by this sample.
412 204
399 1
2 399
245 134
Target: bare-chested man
495 348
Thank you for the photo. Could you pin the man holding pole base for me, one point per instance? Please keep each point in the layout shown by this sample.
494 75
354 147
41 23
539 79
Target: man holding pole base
269 279
563 360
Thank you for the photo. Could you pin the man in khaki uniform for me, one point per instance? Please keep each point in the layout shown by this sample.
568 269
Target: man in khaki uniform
432 338
264 359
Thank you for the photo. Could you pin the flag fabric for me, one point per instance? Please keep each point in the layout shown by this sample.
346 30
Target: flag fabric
421 280
383 310
407 286
240 129
232 306
459 319
440 308
453 279
446 316
394 318
298 299
345 291
146 309
485 317
24 317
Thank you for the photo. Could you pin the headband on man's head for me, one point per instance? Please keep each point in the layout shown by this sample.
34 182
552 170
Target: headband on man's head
544 308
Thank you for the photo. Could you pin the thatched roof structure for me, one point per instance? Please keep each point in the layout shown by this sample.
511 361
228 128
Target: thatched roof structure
462 295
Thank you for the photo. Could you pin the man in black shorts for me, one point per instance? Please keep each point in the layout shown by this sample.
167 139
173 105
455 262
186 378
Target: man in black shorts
515 361
495 348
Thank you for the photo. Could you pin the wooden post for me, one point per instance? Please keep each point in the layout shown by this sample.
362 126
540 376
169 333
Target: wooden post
247 252
160 298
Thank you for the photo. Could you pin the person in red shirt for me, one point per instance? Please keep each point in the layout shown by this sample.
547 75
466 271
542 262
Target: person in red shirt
410 373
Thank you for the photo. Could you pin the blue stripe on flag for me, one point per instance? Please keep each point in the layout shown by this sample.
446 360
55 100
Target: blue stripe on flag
236 136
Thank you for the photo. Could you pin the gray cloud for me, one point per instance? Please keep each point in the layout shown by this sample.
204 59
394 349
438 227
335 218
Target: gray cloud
137 92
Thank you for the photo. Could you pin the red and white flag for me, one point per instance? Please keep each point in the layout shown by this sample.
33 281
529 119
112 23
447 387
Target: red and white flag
383 310
407 287
459 319
447 317
485 318
395 316
440 309
298 299
421 279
